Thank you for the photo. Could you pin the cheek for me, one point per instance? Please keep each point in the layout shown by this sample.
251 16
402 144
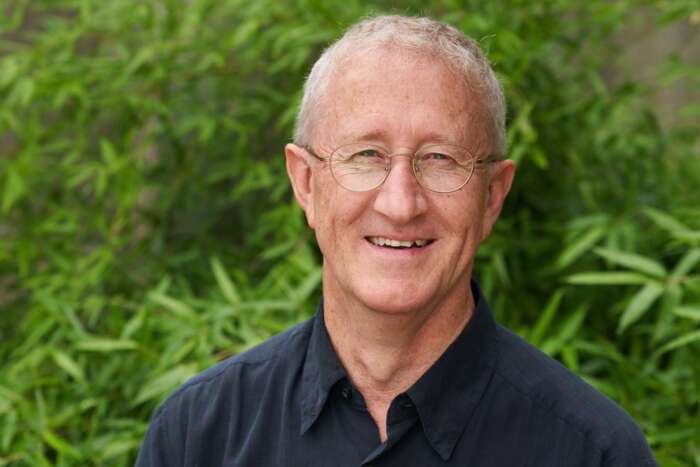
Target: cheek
321 190
465 215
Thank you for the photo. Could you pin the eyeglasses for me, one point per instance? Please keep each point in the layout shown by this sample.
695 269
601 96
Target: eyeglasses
442 168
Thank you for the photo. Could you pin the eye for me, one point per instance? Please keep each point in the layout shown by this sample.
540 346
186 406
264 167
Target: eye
367 154
437 156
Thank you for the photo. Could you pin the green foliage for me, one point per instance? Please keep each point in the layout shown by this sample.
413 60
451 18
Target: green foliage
147 229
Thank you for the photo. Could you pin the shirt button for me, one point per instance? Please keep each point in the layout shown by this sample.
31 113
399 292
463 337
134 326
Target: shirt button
346 393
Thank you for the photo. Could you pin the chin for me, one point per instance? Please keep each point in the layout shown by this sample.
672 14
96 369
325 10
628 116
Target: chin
399 300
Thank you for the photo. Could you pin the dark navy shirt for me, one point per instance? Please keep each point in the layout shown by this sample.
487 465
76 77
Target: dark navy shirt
490 400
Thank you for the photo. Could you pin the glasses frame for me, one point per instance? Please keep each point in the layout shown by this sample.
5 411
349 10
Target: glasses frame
477 162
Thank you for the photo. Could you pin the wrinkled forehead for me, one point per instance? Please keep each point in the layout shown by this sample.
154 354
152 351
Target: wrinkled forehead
392 90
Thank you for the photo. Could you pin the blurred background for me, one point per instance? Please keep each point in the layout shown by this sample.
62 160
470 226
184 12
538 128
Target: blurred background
147 229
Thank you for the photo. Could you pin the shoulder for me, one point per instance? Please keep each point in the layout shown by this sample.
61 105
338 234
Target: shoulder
560 394
190 423
272 361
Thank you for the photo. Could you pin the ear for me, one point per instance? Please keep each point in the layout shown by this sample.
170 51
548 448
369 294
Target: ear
500 179
299 172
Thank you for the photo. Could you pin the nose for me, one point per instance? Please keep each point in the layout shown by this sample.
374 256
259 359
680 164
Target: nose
400 198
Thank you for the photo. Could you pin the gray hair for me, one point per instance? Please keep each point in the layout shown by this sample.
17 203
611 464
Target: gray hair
457 51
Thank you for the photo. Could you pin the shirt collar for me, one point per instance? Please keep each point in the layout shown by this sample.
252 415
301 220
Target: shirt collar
322 370
445 396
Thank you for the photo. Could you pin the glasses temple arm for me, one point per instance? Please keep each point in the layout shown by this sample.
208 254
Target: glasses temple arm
311 151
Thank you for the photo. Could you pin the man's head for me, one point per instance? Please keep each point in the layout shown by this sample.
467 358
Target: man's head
422 35
395 85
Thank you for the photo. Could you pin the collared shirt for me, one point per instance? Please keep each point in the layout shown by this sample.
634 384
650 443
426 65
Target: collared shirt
490 400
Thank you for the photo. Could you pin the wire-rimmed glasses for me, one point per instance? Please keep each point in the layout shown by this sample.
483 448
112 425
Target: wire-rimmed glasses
442 168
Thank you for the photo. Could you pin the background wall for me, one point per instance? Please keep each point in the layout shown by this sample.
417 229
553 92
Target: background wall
147 229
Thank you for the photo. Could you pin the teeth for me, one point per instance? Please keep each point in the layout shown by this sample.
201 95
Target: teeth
382 241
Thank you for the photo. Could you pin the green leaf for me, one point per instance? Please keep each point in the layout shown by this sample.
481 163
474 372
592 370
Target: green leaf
108 152
9 429
584 243
686 311
606 278
60 445
687 262
680 342
310 284
542 325
165 383
103 344
665 221
15 188
639 304
9 70
565 333
23 92
177 307
633 261
228 289
69 365
133 325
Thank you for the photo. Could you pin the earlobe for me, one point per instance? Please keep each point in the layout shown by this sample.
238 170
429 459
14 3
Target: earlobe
300 176
500 181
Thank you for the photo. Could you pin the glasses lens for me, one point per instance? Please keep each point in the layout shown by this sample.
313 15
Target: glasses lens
359 167
443 168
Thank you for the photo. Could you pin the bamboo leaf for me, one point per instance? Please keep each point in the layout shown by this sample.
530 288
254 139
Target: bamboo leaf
165 383
9 429
682 341
542 325
565 333
607 278
308 286
639 304
103 344
584 243
15 188
633 261
68 365
173 305
686 311
687 262
60 445
666 221
228 289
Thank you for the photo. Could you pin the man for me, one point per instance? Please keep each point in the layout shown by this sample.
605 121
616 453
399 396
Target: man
398 164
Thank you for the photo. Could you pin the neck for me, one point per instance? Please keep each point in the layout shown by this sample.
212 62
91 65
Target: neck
384 354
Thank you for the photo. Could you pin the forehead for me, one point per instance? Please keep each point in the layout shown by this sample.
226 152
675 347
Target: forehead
400 97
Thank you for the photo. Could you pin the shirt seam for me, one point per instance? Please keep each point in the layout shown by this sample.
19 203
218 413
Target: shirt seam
185 388
166 435
191 385
550 409
232 363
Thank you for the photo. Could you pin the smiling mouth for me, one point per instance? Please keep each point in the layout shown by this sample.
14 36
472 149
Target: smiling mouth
399 244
